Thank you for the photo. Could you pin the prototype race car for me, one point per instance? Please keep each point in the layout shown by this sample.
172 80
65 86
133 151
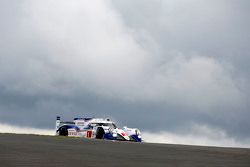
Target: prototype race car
98 128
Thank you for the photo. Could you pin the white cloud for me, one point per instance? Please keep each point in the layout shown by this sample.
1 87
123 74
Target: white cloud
6 128
198 82
85 44
202 135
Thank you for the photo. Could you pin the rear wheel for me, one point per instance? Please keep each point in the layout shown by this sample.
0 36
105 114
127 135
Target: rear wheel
63 131
100 133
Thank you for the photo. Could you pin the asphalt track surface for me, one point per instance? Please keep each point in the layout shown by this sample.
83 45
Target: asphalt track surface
48 151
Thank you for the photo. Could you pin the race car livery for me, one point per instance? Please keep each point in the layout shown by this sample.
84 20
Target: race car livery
98 128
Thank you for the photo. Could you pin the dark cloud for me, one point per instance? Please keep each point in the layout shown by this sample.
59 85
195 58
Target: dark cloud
160 66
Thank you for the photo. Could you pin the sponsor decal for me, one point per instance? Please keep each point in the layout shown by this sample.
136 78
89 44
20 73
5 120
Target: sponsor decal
89 133
72 132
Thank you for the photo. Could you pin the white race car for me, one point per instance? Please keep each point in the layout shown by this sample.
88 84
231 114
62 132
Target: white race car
98 128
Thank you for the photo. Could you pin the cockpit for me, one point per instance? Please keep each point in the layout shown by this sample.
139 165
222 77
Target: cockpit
111 125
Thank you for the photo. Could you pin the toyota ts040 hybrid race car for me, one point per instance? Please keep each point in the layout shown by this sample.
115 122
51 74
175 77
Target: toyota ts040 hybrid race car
98 128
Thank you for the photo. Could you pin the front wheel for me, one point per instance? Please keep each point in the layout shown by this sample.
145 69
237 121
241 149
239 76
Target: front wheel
100 133
63 131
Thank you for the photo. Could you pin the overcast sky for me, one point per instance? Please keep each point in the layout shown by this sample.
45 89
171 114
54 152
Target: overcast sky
172 66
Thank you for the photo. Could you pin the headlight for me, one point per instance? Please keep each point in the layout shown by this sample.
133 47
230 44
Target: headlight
114 134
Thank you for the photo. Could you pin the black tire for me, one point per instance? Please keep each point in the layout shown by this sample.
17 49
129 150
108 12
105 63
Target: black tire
63 131
99 133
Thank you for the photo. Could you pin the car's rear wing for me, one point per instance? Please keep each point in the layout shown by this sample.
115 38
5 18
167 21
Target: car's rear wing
59 122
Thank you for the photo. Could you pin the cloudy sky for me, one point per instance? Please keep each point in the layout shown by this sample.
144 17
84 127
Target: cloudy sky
178 68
